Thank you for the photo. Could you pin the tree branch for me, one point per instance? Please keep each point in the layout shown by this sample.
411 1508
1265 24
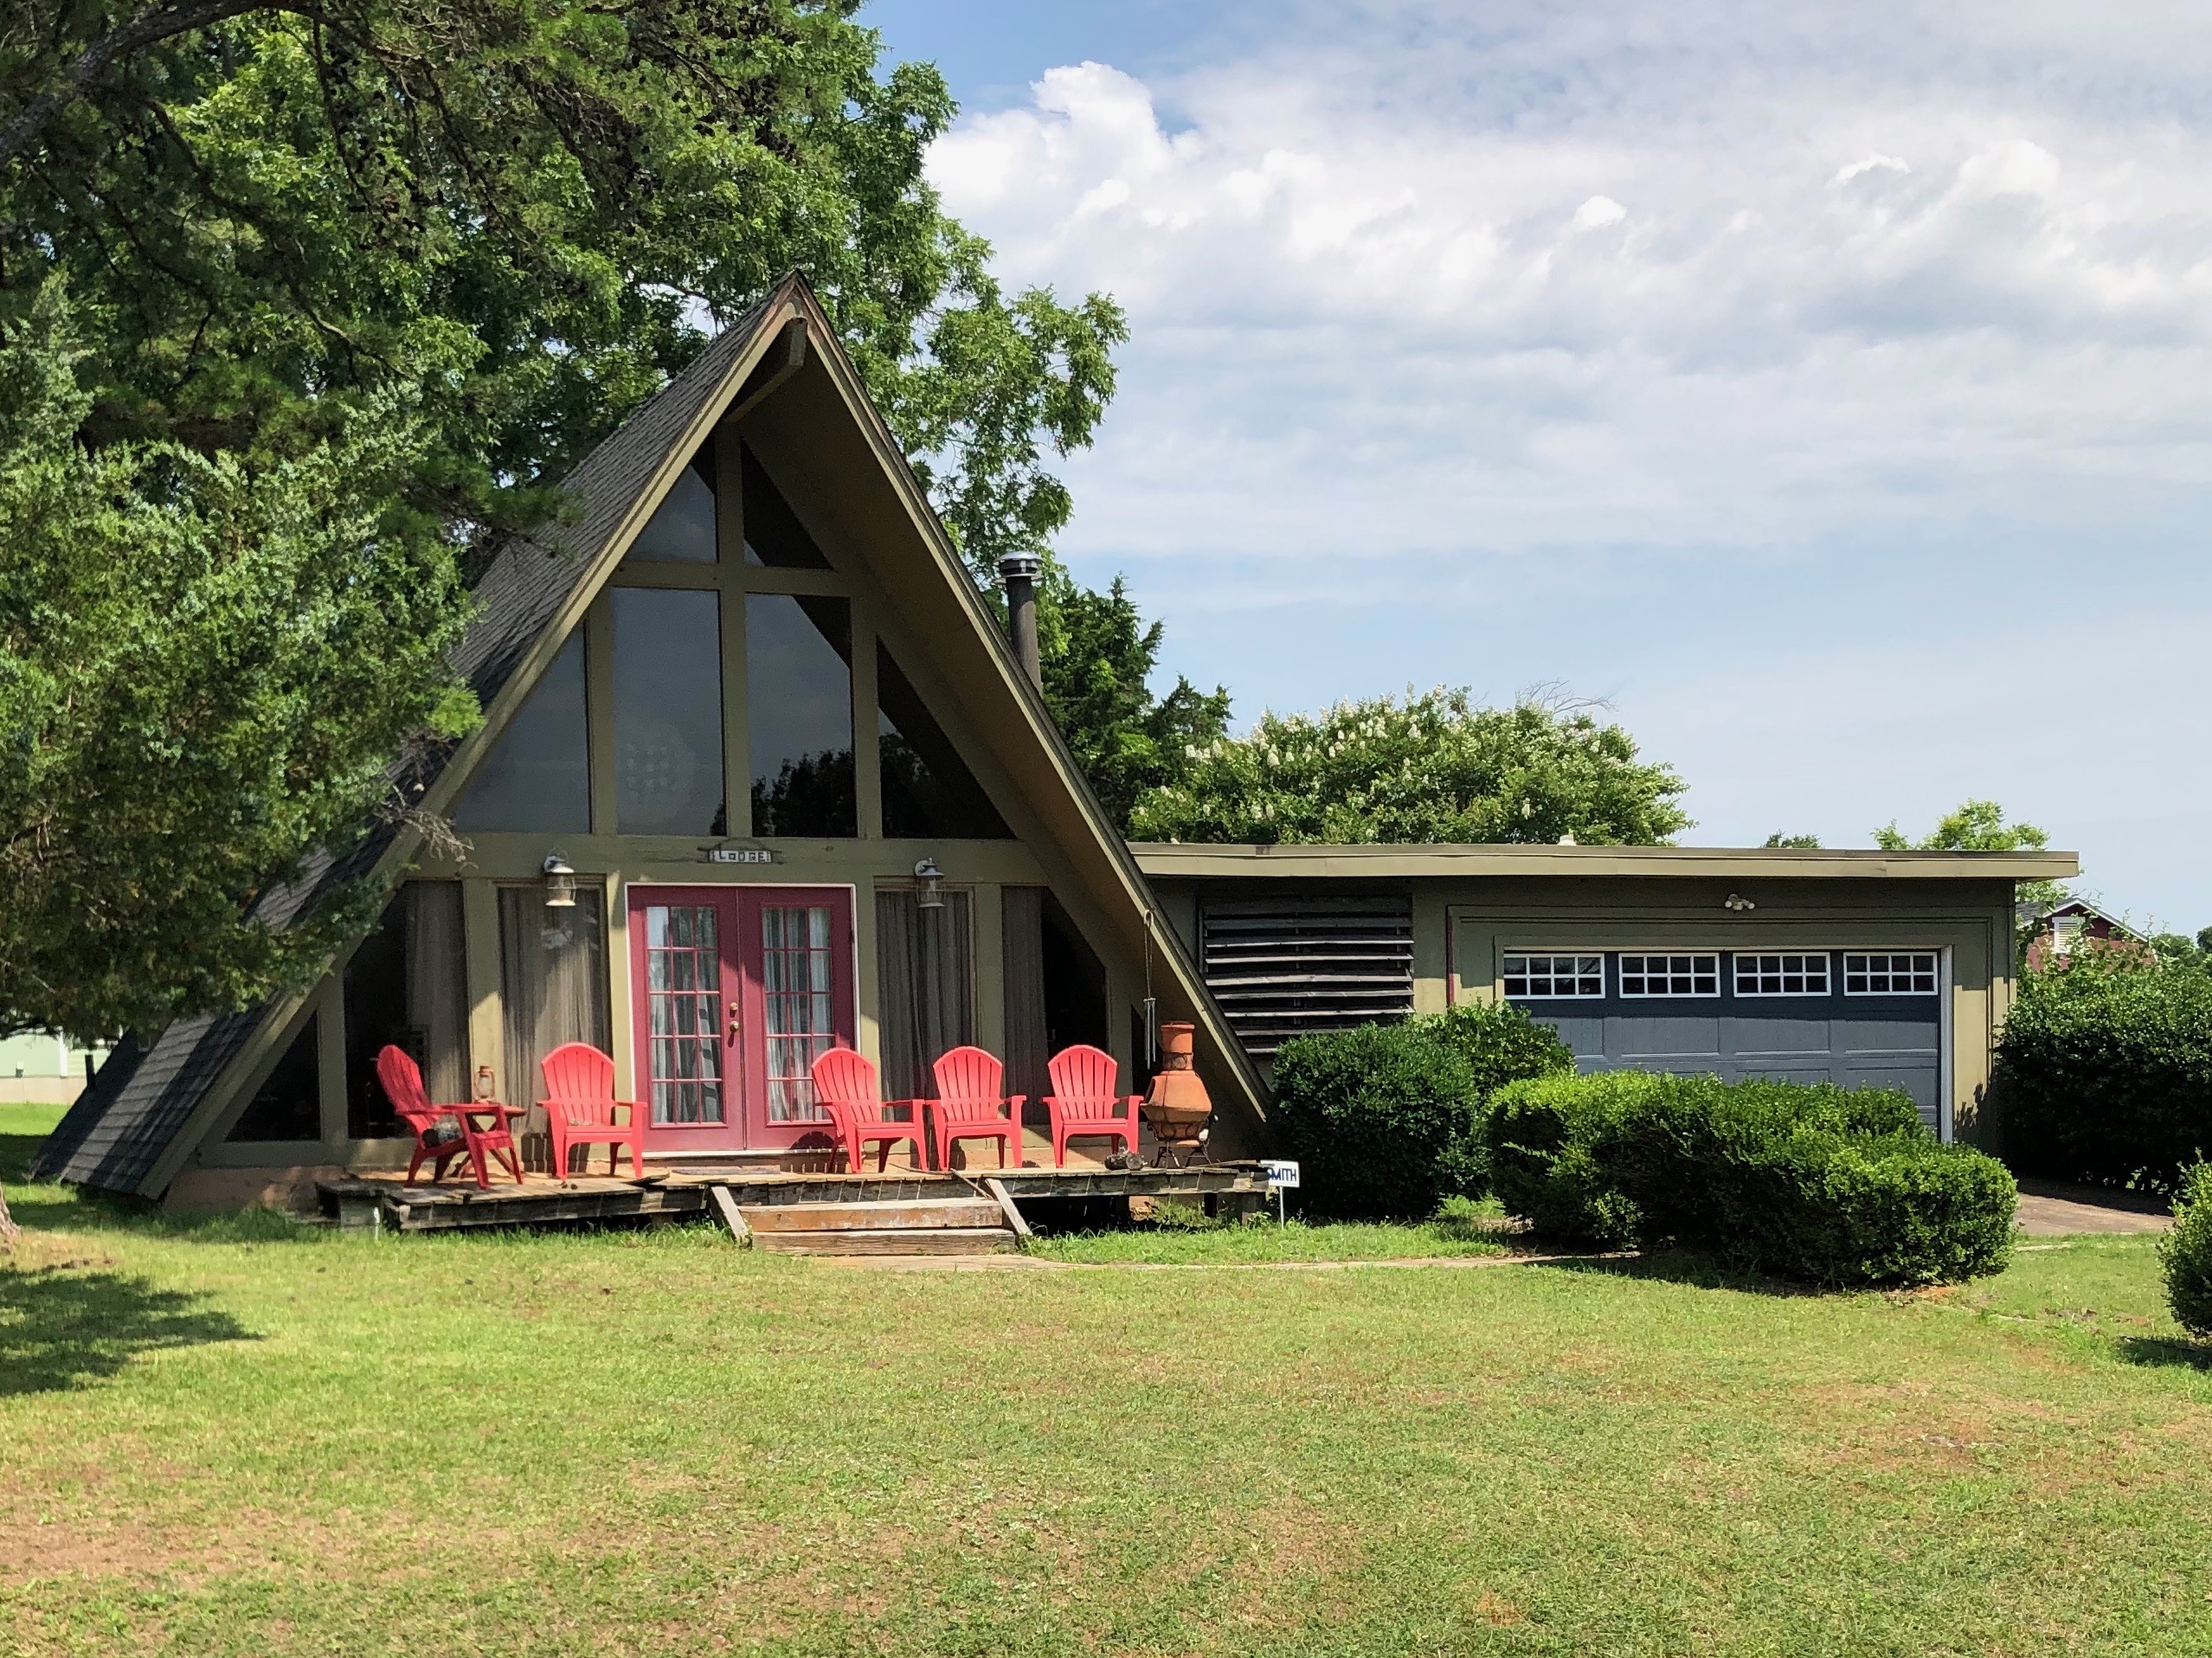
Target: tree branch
141 31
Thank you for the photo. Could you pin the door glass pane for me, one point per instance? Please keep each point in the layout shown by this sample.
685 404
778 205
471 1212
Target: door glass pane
682 530
667 712
799 710
538 774
683 1013
795 969
929 790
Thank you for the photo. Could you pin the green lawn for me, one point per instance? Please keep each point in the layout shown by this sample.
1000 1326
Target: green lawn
244 1438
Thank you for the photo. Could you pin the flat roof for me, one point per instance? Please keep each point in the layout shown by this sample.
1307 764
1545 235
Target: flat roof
1720 862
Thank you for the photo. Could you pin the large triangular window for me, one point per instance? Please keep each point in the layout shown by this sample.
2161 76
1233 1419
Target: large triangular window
537 777
774 539
928 791
799 708
682 531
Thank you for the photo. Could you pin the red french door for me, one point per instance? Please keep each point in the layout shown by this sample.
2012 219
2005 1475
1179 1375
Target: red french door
735 991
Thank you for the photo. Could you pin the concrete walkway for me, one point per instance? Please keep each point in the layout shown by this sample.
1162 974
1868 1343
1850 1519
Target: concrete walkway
2050 1210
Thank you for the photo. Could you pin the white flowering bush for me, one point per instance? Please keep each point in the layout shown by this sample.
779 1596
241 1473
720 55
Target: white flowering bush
1430 766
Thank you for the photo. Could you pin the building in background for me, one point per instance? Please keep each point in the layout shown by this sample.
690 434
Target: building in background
45 1070
2052 932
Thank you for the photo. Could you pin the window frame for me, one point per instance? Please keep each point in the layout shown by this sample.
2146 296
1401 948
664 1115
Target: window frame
1693 974
1756 992
1551 976
1932 972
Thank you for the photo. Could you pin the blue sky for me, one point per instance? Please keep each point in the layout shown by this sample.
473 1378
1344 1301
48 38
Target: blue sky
1826 388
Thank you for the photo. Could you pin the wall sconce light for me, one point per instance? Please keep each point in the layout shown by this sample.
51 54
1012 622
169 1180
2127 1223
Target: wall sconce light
932 896
1737 901
560 883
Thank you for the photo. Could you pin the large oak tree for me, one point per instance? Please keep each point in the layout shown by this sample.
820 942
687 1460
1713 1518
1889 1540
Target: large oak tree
337 288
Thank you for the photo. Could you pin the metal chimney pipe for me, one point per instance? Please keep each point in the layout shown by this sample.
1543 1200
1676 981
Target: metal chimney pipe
1018 572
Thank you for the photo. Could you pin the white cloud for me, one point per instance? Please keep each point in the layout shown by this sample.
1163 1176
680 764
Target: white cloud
1875 163
1380 370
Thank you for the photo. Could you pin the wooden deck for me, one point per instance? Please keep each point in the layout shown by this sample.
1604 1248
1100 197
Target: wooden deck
388 1202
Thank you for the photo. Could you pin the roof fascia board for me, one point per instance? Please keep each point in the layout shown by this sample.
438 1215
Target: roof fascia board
1675 863
1030 700
781 309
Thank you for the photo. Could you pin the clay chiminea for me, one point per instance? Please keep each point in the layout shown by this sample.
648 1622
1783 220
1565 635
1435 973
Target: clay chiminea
1178 1105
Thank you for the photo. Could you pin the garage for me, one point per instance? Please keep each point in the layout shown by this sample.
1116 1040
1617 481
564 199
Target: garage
1857 1018
1860 967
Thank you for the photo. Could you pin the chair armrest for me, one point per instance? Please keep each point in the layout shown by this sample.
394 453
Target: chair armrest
1017 1101
634 1108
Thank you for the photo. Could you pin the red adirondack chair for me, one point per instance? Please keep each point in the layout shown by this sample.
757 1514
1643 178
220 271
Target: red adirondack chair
580 1107
403 1083
1082 1101
846 1086
972 1104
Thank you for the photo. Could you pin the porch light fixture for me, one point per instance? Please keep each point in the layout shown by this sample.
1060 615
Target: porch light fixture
1737 901
932 896
560 883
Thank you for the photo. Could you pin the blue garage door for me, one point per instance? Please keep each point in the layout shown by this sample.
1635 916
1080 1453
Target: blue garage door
1858 1018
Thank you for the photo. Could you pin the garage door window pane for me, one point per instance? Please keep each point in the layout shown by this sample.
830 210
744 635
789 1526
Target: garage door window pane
1894 972
1532 977
1670 975
1783 975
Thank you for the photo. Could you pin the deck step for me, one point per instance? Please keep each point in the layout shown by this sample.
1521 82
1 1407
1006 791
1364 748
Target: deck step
912 1214
898 1240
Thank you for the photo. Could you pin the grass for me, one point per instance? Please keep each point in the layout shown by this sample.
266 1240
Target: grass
1181 1240
242 1436
19 1120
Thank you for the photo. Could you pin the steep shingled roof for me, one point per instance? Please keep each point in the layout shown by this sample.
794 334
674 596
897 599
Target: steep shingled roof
141 1098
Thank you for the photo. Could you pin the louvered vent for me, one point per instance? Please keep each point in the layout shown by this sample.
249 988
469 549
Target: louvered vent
1284 967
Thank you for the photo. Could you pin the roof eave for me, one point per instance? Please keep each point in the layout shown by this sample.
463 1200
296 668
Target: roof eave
1183 859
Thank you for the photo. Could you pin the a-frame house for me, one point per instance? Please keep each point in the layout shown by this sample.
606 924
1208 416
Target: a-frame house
749 695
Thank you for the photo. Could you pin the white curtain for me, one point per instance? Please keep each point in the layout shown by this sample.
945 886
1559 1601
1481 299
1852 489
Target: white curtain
437 1001
1027 1038
924 987
553 989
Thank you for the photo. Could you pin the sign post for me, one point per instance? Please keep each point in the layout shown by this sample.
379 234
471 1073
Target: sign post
1281 1177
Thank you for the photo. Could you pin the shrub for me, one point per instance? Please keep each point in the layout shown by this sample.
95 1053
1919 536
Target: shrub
1816 1183
1554 1142
2186 1253
1500 1045
2104 1072
1381 1119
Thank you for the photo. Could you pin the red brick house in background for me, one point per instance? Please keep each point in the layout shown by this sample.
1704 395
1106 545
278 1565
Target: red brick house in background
2054 932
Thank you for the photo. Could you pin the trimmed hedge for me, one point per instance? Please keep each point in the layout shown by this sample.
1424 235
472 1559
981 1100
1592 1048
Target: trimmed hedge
1381 1119
2186 1254
1814 1183
1386 1120
1500 1043
2104 1074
